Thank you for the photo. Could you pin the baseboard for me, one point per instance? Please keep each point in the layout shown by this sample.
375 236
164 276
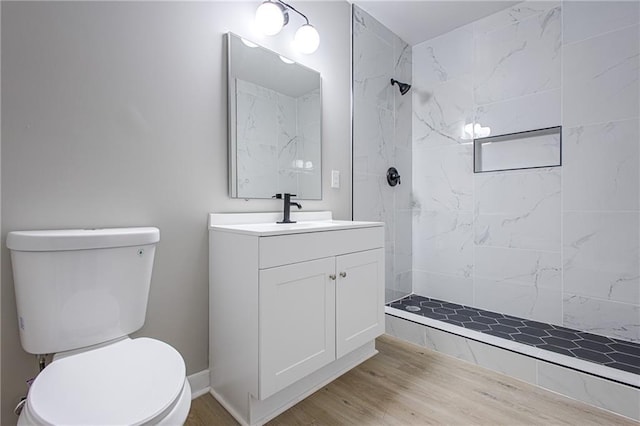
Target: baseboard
199 383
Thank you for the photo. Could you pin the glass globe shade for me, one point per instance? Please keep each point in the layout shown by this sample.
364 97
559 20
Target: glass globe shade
306 39
270 18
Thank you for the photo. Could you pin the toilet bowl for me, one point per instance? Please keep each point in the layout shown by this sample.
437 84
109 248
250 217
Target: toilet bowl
80 293
128 382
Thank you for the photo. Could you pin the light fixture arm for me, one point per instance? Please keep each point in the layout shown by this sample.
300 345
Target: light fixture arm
288 6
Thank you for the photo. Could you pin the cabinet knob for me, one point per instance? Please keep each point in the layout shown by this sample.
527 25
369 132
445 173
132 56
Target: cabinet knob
332 276
343 274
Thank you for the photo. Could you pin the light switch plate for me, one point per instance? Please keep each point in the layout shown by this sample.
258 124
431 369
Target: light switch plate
335 178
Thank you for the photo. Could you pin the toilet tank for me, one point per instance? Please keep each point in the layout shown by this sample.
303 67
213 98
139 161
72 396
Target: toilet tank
80 287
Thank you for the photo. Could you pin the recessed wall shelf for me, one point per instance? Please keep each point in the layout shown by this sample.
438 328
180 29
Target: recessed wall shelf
522 150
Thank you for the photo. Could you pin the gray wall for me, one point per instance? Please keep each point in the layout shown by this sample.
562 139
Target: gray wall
381 139
114 114
558 245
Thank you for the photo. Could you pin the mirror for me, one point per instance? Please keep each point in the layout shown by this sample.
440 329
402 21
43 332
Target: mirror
274 124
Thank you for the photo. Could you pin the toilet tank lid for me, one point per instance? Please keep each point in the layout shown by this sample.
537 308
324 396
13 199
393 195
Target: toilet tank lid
81 239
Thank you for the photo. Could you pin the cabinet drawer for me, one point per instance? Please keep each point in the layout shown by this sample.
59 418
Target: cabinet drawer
293 248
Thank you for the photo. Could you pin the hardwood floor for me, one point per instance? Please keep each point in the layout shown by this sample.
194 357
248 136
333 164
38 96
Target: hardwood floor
409 385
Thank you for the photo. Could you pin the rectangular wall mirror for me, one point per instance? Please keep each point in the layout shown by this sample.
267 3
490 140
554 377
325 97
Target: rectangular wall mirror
274 124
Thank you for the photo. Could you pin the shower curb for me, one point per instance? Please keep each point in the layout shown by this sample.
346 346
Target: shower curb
619 394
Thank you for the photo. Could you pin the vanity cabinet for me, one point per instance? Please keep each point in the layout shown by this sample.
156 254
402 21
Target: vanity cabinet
314 312
291 308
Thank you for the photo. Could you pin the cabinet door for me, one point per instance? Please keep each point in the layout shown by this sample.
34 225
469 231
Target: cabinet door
297 322
359 299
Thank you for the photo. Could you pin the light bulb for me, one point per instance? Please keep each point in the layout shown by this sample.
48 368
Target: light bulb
306 39
248 43
286 60
270 18
468 129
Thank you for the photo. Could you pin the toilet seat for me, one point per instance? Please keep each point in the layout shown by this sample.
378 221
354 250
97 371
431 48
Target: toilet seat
129 382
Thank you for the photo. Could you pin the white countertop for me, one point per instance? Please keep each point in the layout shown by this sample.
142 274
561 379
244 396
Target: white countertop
264 224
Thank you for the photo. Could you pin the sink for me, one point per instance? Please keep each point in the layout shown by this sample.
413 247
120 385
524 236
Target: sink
298 226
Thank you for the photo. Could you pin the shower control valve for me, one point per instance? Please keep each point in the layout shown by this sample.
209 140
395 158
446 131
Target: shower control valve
393 177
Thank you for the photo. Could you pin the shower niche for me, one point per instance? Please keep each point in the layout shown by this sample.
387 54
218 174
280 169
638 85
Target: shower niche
522 150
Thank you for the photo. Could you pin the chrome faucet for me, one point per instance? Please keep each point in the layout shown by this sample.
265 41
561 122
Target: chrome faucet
287 206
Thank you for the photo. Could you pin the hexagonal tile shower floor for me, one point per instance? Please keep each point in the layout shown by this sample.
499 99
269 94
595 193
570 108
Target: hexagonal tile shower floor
614 353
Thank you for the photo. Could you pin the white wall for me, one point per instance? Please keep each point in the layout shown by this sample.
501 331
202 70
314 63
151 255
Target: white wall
558 245
114 114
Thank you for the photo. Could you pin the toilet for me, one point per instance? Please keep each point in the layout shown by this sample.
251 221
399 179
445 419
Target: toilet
79 294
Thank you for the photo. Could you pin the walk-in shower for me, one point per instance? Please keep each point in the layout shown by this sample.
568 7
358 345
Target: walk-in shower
542 260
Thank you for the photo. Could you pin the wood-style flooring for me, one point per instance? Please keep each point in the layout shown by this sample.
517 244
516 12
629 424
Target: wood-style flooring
407 384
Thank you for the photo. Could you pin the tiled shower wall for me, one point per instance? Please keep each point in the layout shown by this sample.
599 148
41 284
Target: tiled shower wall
278 147
558 245
381 139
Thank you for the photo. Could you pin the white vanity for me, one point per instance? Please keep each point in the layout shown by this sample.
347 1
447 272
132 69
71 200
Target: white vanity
292 306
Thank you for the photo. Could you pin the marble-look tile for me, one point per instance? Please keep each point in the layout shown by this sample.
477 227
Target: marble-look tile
443 58
362 21
585 19
528 267
443 242
505 362
600 83
539 230
391 294
389 262
403 233
403 282
257 130
403 60
372 198
443 177
519 59
403 103
452 288
602 255
373 139
289 144
536 111
513 15
405 330
613 319
441 111
402 191
518 209
256 170
601 163
487 356
525 301
373 64
602 393
521 191
403 119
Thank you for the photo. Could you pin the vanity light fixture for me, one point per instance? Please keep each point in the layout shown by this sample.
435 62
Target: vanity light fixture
273 15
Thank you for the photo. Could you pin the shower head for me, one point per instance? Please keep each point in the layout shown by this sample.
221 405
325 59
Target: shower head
404 87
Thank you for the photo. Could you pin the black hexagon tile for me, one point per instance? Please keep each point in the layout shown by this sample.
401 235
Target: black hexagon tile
618 354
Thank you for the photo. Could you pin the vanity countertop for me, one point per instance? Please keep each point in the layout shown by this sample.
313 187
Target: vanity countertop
264 224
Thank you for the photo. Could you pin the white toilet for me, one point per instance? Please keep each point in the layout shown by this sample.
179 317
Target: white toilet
79 294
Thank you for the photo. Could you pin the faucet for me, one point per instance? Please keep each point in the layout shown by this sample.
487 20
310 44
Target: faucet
287 206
